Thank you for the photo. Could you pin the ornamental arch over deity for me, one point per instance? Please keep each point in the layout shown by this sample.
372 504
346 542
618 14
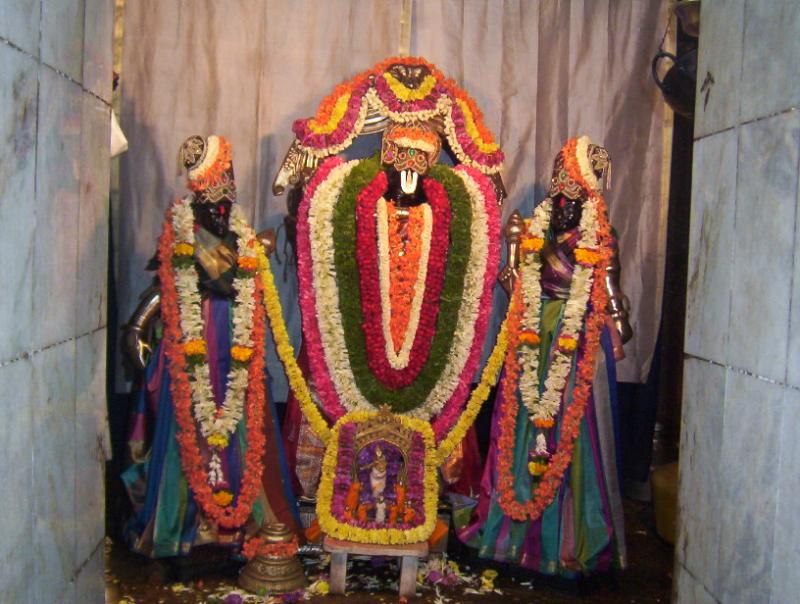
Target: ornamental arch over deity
399 90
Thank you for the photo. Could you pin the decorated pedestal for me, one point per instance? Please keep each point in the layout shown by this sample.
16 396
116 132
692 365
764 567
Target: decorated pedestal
272 567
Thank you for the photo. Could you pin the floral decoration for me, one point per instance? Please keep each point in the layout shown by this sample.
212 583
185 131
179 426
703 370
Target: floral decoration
342 375
286 353
258 546
579 334
403 252
189 378
211 171
340 117
334 488
211 420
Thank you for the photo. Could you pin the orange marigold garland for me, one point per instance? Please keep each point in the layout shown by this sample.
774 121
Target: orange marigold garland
404 266
215 505
550 475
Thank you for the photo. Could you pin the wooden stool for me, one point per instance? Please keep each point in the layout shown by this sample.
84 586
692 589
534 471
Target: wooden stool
409 558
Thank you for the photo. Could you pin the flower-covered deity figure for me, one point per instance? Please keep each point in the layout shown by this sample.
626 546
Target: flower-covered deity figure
206 457
397 257
550 499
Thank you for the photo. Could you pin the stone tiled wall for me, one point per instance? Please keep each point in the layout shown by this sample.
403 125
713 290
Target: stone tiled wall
55 93
739 526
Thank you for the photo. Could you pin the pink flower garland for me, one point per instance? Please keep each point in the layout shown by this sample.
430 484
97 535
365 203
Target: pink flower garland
323 384
452 409
466 142
396 105
367 257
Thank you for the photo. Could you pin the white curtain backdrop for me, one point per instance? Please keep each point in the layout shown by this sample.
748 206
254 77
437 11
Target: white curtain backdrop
540 72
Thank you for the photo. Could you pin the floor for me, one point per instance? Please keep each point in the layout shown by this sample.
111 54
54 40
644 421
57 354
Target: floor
648 578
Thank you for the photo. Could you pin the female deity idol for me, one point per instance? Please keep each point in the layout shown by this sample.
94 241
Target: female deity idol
549 495
204 443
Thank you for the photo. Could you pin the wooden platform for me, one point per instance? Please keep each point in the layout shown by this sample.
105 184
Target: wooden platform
409 560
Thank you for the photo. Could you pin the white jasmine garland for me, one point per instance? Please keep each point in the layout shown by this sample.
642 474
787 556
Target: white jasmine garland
414 116
326 294
212 421
401 358
546 406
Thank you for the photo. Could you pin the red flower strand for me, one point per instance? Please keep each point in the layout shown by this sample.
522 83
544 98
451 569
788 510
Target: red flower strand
369 281
552 478
229 517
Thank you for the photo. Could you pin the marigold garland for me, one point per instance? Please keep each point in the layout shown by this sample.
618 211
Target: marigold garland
228 516
551 478
403 254
286 353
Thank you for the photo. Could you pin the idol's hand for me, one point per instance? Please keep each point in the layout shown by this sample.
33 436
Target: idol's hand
136 350
508 277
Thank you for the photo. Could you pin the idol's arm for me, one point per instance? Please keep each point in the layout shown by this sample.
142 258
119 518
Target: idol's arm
137 333
268 239
618 303
513 232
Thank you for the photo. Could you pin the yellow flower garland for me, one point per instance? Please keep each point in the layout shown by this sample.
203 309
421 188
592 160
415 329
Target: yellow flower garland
472 129
286 351
385 536
410 94
339 109
477 398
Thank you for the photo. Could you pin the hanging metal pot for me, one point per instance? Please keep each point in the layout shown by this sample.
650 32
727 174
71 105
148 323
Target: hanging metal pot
679 84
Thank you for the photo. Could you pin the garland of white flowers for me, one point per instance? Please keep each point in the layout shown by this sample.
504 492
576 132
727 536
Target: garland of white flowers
337 360
404 117
543 409
216 426
400 359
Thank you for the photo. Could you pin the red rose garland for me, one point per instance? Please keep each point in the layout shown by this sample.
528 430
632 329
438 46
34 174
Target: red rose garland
229 517
367 256
546 490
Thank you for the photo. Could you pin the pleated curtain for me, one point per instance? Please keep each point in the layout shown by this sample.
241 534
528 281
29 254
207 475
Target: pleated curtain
541 72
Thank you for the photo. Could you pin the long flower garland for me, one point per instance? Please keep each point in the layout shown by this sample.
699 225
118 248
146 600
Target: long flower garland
184 354
286 353
587 303
478 397
368 260
331 354
403 277
215 425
